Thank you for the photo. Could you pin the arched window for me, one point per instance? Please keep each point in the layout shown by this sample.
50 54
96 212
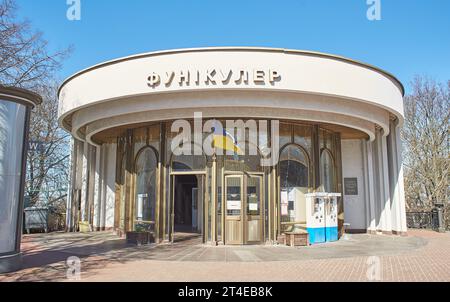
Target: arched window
184 163
294 184
327 171
145 200
247 162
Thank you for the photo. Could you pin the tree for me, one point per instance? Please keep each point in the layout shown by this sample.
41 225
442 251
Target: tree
426 139
24 58
26 62
48 164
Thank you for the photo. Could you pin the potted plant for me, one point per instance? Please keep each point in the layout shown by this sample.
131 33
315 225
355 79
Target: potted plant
141 234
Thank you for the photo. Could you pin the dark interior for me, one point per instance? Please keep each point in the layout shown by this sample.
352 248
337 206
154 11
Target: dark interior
183 203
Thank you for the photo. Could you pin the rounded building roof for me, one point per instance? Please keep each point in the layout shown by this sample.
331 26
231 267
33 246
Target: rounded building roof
329 88
20 95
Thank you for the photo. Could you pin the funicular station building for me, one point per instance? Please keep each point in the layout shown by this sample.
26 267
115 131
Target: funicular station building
335 123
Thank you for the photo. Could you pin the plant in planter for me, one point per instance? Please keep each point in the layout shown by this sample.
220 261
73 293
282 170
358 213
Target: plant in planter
141 235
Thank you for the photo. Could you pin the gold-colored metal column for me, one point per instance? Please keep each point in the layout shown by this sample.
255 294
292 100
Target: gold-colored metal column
213 201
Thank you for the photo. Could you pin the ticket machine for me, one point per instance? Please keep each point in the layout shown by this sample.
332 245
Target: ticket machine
321 217
331 221
315 217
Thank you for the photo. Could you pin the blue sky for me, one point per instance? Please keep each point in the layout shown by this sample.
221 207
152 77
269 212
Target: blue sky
413 36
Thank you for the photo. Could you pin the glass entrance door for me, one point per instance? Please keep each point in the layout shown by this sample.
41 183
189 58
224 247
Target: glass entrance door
233 209
243 208
253 211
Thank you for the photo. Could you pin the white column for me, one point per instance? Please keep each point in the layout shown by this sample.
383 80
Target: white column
91 183
369 176
71 186
103 186
384 181
110 182
97 189
398 202
84 181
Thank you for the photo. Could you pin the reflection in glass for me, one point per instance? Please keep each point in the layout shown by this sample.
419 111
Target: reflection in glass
233 197
247 162
253 196
12 121
184 163
327 171
145 202
123 180
294 184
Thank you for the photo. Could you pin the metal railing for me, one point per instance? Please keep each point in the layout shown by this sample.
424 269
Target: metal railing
422 220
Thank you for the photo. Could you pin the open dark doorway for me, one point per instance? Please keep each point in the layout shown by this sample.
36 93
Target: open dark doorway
187 208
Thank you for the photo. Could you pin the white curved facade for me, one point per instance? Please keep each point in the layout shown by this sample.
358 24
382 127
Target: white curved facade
365 104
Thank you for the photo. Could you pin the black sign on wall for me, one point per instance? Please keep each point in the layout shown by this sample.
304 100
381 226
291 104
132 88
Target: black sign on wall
351 186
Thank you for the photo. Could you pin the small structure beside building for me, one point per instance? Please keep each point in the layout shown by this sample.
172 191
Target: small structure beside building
15 109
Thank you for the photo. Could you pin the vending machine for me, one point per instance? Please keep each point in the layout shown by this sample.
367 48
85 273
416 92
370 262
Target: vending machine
315 217
331 213
321 217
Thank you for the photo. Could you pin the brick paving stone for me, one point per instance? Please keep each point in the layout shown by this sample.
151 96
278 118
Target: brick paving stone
421 256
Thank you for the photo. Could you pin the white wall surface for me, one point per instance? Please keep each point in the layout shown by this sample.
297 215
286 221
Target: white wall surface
352 167
109 177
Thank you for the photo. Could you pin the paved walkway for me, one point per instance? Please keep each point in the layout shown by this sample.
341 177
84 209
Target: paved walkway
421 256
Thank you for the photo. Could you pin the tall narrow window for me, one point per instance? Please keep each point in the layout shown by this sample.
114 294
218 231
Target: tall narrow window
327 171
294 184
123 186
145 200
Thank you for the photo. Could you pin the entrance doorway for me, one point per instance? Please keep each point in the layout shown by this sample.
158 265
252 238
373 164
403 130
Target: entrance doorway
243 209
187 210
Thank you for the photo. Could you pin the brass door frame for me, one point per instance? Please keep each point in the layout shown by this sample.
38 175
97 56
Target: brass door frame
230 217
248 217
198 174
243 217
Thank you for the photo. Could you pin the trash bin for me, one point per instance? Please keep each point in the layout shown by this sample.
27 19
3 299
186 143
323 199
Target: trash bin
36 218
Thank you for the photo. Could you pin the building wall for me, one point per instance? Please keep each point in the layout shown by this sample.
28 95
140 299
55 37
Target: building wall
352 167
378 205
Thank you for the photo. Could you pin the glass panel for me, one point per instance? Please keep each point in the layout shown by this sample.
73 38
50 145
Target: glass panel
12 121
140 135
254 196
243 163
294 185
327 172
326 139
285 134
233 197
153 133
293 152
145 200
302 136
123 169
185 163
